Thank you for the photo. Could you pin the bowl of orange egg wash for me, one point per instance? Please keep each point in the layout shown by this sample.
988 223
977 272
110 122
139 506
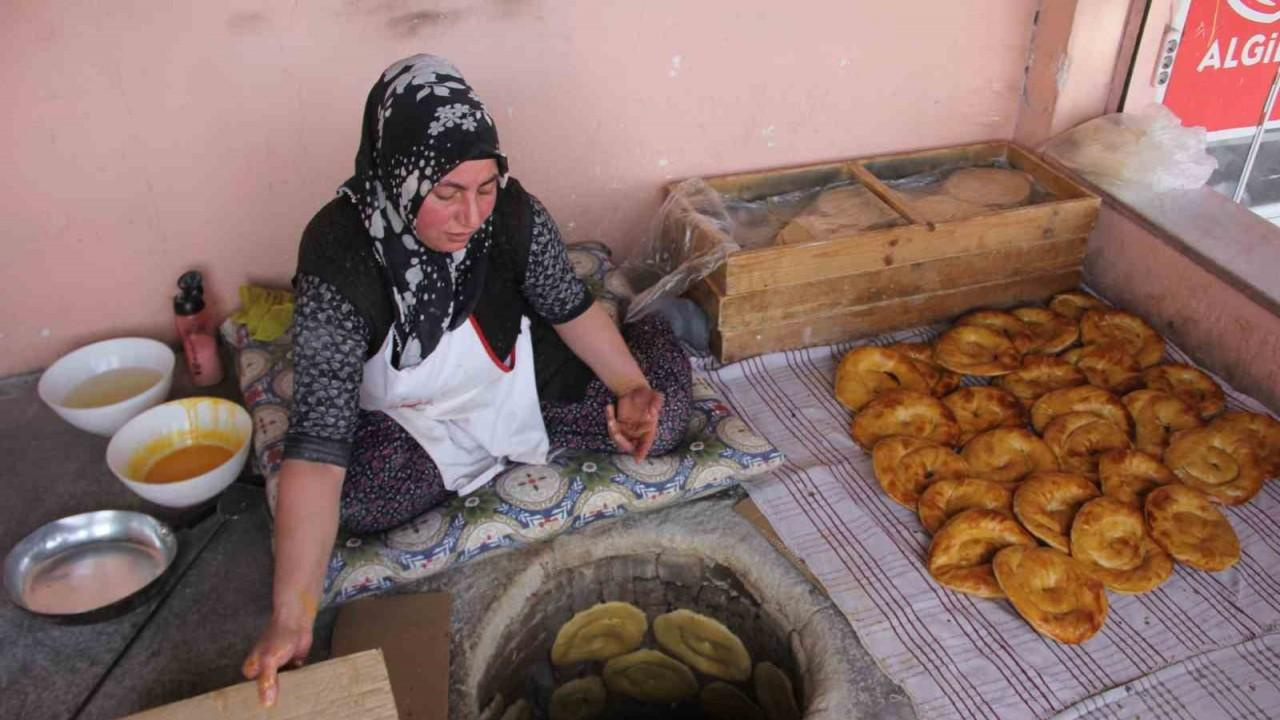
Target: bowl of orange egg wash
99 387
182 452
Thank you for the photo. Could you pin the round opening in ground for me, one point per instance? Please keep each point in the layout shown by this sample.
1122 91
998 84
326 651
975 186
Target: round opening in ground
520 667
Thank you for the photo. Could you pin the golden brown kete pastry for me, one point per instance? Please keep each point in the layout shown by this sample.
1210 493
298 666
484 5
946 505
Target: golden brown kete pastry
1038 375
976 350
903 412
945 499
1130 331
1220 464
868 371
1051 591
941 380
1002 322
905 466
1110 539
1109 366
1190 385
1190 528
1263 433
1079 439
1075 304
1046 503
1128 475
1156 417
1008 455
1084 398
961 551
978 409
1050 332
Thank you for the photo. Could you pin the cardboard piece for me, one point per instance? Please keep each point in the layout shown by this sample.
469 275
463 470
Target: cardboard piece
747 509
355 686
413 633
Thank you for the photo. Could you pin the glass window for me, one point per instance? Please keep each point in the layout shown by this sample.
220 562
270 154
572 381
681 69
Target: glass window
1214 65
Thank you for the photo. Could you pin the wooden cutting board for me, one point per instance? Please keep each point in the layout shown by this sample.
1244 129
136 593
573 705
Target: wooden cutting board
355 686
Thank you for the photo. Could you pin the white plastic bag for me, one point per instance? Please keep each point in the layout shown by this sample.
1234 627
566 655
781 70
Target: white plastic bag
1148 151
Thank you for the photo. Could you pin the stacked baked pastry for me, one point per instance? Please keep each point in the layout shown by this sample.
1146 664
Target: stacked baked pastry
1075 461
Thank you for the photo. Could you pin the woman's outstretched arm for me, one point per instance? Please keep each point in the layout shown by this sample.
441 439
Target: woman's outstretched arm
306 525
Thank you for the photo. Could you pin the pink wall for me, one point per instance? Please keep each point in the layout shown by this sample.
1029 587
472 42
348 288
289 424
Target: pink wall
142 138
1072 65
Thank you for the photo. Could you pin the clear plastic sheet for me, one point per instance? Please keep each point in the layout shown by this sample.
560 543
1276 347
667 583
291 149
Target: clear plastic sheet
697 228
689 238
756 223
1143 152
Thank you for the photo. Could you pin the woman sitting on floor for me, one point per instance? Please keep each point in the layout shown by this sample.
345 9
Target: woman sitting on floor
439 334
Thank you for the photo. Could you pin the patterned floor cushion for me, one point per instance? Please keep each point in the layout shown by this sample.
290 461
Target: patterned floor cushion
524 504
530 503
265 374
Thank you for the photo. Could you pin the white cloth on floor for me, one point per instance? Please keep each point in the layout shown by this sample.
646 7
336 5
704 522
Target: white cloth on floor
1197 647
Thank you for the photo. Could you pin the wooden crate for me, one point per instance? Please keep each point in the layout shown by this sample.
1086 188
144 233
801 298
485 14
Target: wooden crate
854 284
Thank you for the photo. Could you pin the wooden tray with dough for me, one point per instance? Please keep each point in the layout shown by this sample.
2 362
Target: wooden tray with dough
831 278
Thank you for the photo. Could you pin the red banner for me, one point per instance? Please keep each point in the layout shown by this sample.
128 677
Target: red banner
1224 68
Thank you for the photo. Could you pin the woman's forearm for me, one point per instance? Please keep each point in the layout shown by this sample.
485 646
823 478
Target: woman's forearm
306 525
594 338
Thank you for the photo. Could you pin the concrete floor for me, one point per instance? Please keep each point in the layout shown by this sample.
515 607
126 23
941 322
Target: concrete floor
192 632
164 649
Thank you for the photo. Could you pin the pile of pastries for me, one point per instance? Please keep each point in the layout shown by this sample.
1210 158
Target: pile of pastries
698 660
1084 464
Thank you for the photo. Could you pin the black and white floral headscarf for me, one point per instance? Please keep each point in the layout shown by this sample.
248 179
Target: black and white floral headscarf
421 120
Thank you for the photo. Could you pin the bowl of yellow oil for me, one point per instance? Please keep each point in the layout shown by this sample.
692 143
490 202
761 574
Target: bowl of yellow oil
99 387
182 452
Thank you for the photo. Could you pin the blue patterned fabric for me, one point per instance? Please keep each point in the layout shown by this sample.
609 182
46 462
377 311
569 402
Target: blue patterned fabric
532 503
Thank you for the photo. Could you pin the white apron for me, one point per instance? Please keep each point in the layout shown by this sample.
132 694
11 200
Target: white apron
468 409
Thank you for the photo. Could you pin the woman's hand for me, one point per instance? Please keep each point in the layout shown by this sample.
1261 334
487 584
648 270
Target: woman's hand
633 421
310 497
284 641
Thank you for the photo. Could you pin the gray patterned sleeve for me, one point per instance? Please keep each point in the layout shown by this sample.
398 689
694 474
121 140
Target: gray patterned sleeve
329 342
550 285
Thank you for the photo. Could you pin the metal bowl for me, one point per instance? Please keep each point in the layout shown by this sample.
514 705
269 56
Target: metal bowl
88 562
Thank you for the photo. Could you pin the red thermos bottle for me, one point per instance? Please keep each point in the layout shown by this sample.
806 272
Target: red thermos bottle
195 329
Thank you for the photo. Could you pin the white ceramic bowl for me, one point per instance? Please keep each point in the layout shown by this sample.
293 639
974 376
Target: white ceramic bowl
79 365
160 427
